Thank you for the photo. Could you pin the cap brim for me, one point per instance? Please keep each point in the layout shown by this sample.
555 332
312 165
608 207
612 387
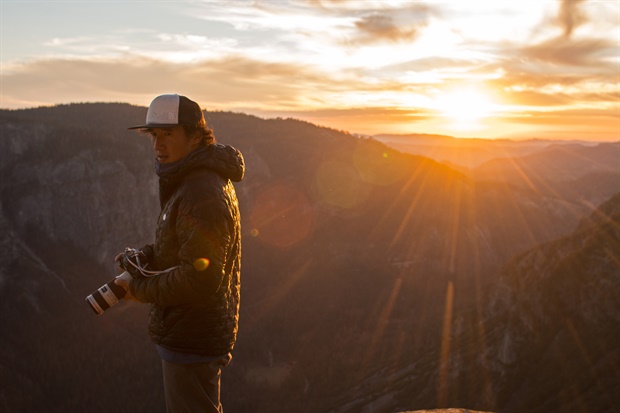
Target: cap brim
156 125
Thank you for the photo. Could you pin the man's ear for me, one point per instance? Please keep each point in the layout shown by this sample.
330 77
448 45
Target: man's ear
196 138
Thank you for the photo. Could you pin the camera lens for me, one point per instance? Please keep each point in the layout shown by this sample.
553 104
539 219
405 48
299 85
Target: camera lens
105 297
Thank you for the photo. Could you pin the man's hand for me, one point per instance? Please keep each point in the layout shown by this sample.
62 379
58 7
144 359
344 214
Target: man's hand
123 281
117 260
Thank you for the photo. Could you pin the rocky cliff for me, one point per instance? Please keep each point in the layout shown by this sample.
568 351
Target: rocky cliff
553 321
544 338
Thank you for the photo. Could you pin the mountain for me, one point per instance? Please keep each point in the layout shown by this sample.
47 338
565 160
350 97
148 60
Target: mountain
543 338
467 152
552 322
72 194
576 170
569 171
350 250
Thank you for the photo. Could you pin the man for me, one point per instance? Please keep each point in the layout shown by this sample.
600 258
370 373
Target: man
197 252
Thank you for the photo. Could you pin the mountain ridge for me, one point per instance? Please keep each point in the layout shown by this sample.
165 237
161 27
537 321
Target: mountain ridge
471 153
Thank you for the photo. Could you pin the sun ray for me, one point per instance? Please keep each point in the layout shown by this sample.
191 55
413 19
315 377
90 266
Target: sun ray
444 362
381 324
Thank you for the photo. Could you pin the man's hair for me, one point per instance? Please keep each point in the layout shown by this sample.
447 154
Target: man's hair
206 134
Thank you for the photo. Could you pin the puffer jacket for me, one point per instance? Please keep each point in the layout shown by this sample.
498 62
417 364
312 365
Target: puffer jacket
195 306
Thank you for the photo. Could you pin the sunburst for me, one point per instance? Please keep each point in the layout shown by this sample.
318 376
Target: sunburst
465 108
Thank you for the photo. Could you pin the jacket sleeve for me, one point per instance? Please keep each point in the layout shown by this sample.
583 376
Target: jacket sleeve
147 250
204 235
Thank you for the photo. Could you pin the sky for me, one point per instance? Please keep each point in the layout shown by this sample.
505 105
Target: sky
487 68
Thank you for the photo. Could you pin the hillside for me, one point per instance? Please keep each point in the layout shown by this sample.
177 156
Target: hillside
544 338
349 249
554 319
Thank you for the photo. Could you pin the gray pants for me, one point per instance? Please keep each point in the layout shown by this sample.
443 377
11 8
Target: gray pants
193 388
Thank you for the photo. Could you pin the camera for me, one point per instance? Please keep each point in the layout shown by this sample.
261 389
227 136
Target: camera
110 294
105 297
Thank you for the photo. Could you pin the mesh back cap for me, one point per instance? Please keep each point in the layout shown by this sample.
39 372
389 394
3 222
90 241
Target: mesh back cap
168 111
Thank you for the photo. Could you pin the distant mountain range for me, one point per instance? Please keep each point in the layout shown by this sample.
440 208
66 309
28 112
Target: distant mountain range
571 170
471 152
357 259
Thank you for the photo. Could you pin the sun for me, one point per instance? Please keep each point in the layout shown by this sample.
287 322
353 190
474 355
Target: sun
466 108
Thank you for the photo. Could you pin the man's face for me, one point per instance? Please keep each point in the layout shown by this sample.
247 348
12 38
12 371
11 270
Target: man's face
172 144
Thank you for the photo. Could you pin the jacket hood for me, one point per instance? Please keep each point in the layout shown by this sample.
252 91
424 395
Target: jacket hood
223 159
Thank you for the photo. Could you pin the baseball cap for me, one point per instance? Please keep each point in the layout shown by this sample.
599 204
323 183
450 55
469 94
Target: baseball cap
168 111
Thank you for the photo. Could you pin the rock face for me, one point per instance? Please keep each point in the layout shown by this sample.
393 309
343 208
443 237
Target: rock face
370 277
71 198
547 337
555 315
544 338
67 184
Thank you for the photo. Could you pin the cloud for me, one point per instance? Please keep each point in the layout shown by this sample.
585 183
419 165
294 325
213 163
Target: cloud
225 82
370 64
586 124
548 89
386 114
331 22
536 98
588 118
585 52
558 71
107 45
570 16
377 27
67 41
233 83
556 96
365 120
390 24
273 17
434 63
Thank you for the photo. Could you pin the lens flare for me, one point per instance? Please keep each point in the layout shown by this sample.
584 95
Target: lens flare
281 216
374 166
340 185
201 264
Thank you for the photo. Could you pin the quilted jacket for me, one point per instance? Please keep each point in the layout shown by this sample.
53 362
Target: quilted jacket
195 306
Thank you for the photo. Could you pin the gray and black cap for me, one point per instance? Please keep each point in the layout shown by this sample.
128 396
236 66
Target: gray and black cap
168 111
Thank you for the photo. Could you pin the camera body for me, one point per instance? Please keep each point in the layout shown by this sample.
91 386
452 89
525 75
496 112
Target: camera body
133 261
110 294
